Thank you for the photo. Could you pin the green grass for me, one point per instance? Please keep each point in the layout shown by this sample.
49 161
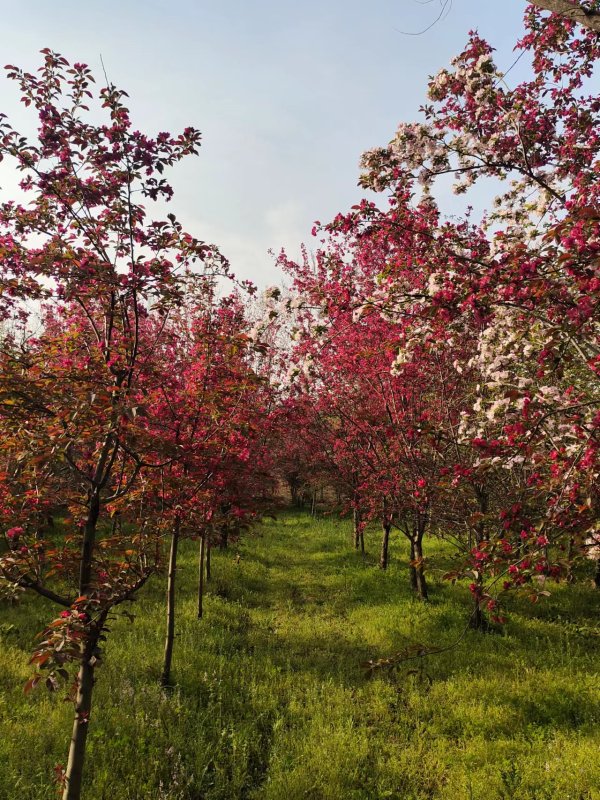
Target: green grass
271 702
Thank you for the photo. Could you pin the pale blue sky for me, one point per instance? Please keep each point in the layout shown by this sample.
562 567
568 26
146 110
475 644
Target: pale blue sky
287 95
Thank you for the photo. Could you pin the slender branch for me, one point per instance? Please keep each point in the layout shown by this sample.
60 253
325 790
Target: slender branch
28 583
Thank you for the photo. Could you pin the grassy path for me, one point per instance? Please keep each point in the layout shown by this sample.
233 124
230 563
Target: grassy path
271 702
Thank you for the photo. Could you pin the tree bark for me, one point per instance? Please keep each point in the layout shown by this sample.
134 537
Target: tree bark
89 541
85 676
570 577
356 523
81 724
165 678
420 580
385 541
597 575
201 575
208 567
478 621
224 538
564 8
413 569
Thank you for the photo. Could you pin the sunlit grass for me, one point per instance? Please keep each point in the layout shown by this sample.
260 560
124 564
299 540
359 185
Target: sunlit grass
271 701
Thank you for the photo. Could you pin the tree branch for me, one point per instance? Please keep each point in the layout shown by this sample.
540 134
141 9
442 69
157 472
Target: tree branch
28 583
577 12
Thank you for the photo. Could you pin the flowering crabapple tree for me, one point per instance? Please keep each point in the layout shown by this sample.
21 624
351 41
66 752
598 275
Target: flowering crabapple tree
432 391
295 454
525 280
201 399
494 323
72 407
382 430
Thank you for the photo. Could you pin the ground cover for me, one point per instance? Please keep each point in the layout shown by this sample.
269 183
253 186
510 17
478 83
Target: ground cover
271 701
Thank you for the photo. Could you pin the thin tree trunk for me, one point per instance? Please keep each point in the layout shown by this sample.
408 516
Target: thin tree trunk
81 724
313 504
88 543
413 568
201 575
385 541
597 575
85 676
570 574
359 533
478 621
421 582
165 677
224 538
208 569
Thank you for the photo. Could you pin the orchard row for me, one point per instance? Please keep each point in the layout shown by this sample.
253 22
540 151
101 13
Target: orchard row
439 376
